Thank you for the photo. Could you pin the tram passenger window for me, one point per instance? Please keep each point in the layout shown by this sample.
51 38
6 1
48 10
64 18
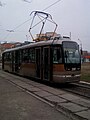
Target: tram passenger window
8 56
57 55
25 56
21 56
32 55
4 56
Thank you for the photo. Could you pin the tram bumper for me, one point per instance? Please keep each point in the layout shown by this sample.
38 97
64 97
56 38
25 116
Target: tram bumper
66 78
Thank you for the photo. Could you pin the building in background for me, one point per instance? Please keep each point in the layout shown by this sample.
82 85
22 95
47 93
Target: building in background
4 46
85 56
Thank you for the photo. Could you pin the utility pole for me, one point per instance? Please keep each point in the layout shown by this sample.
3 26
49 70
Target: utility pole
70 35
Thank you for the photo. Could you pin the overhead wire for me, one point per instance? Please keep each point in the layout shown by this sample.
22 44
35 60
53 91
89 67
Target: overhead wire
30 18
42 10
51 5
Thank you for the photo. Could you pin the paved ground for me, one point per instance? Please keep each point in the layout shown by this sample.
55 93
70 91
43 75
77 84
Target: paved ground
18 104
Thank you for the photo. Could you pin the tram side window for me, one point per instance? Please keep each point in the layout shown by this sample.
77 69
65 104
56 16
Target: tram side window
25 56
20 56
57 55
10 56
7 56
4 56
32 55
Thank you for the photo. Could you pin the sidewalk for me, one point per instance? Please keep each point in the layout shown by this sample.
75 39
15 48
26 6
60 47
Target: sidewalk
17 104
73 106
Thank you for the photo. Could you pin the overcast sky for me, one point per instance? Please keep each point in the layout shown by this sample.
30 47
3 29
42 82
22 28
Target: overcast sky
70 15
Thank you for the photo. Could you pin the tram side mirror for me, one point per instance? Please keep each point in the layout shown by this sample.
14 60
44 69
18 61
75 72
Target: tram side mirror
81 51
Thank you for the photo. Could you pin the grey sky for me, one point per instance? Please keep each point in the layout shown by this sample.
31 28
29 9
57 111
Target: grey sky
70 15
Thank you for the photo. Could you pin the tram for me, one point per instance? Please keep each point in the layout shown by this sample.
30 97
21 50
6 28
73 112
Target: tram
54 60
51 57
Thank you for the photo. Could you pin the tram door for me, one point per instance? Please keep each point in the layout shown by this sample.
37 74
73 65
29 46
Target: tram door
38 63
46 63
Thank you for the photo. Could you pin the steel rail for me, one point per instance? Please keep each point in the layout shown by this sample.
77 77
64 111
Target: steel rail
81 89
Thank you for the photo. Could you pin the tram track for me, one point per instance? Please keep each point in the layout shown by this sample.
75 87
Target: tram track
81 89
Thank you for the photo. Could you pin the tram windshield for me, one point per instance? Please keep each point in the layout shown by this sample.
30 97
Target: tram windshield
71 52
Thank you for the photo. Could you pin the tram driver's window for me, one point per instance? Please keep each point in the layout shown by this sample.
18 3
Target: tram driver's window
57 56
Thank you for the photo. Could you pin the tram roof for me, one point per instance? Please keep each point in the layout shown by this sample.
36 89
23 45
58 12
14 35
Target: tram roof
40 43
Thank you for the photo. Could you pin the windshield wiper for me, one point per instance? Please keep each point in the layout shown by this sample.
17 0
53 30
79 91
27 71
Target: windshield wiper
67 56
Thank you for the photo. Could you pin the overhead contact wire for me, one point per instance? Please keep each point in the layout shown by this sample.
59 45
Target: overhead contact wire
30 18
